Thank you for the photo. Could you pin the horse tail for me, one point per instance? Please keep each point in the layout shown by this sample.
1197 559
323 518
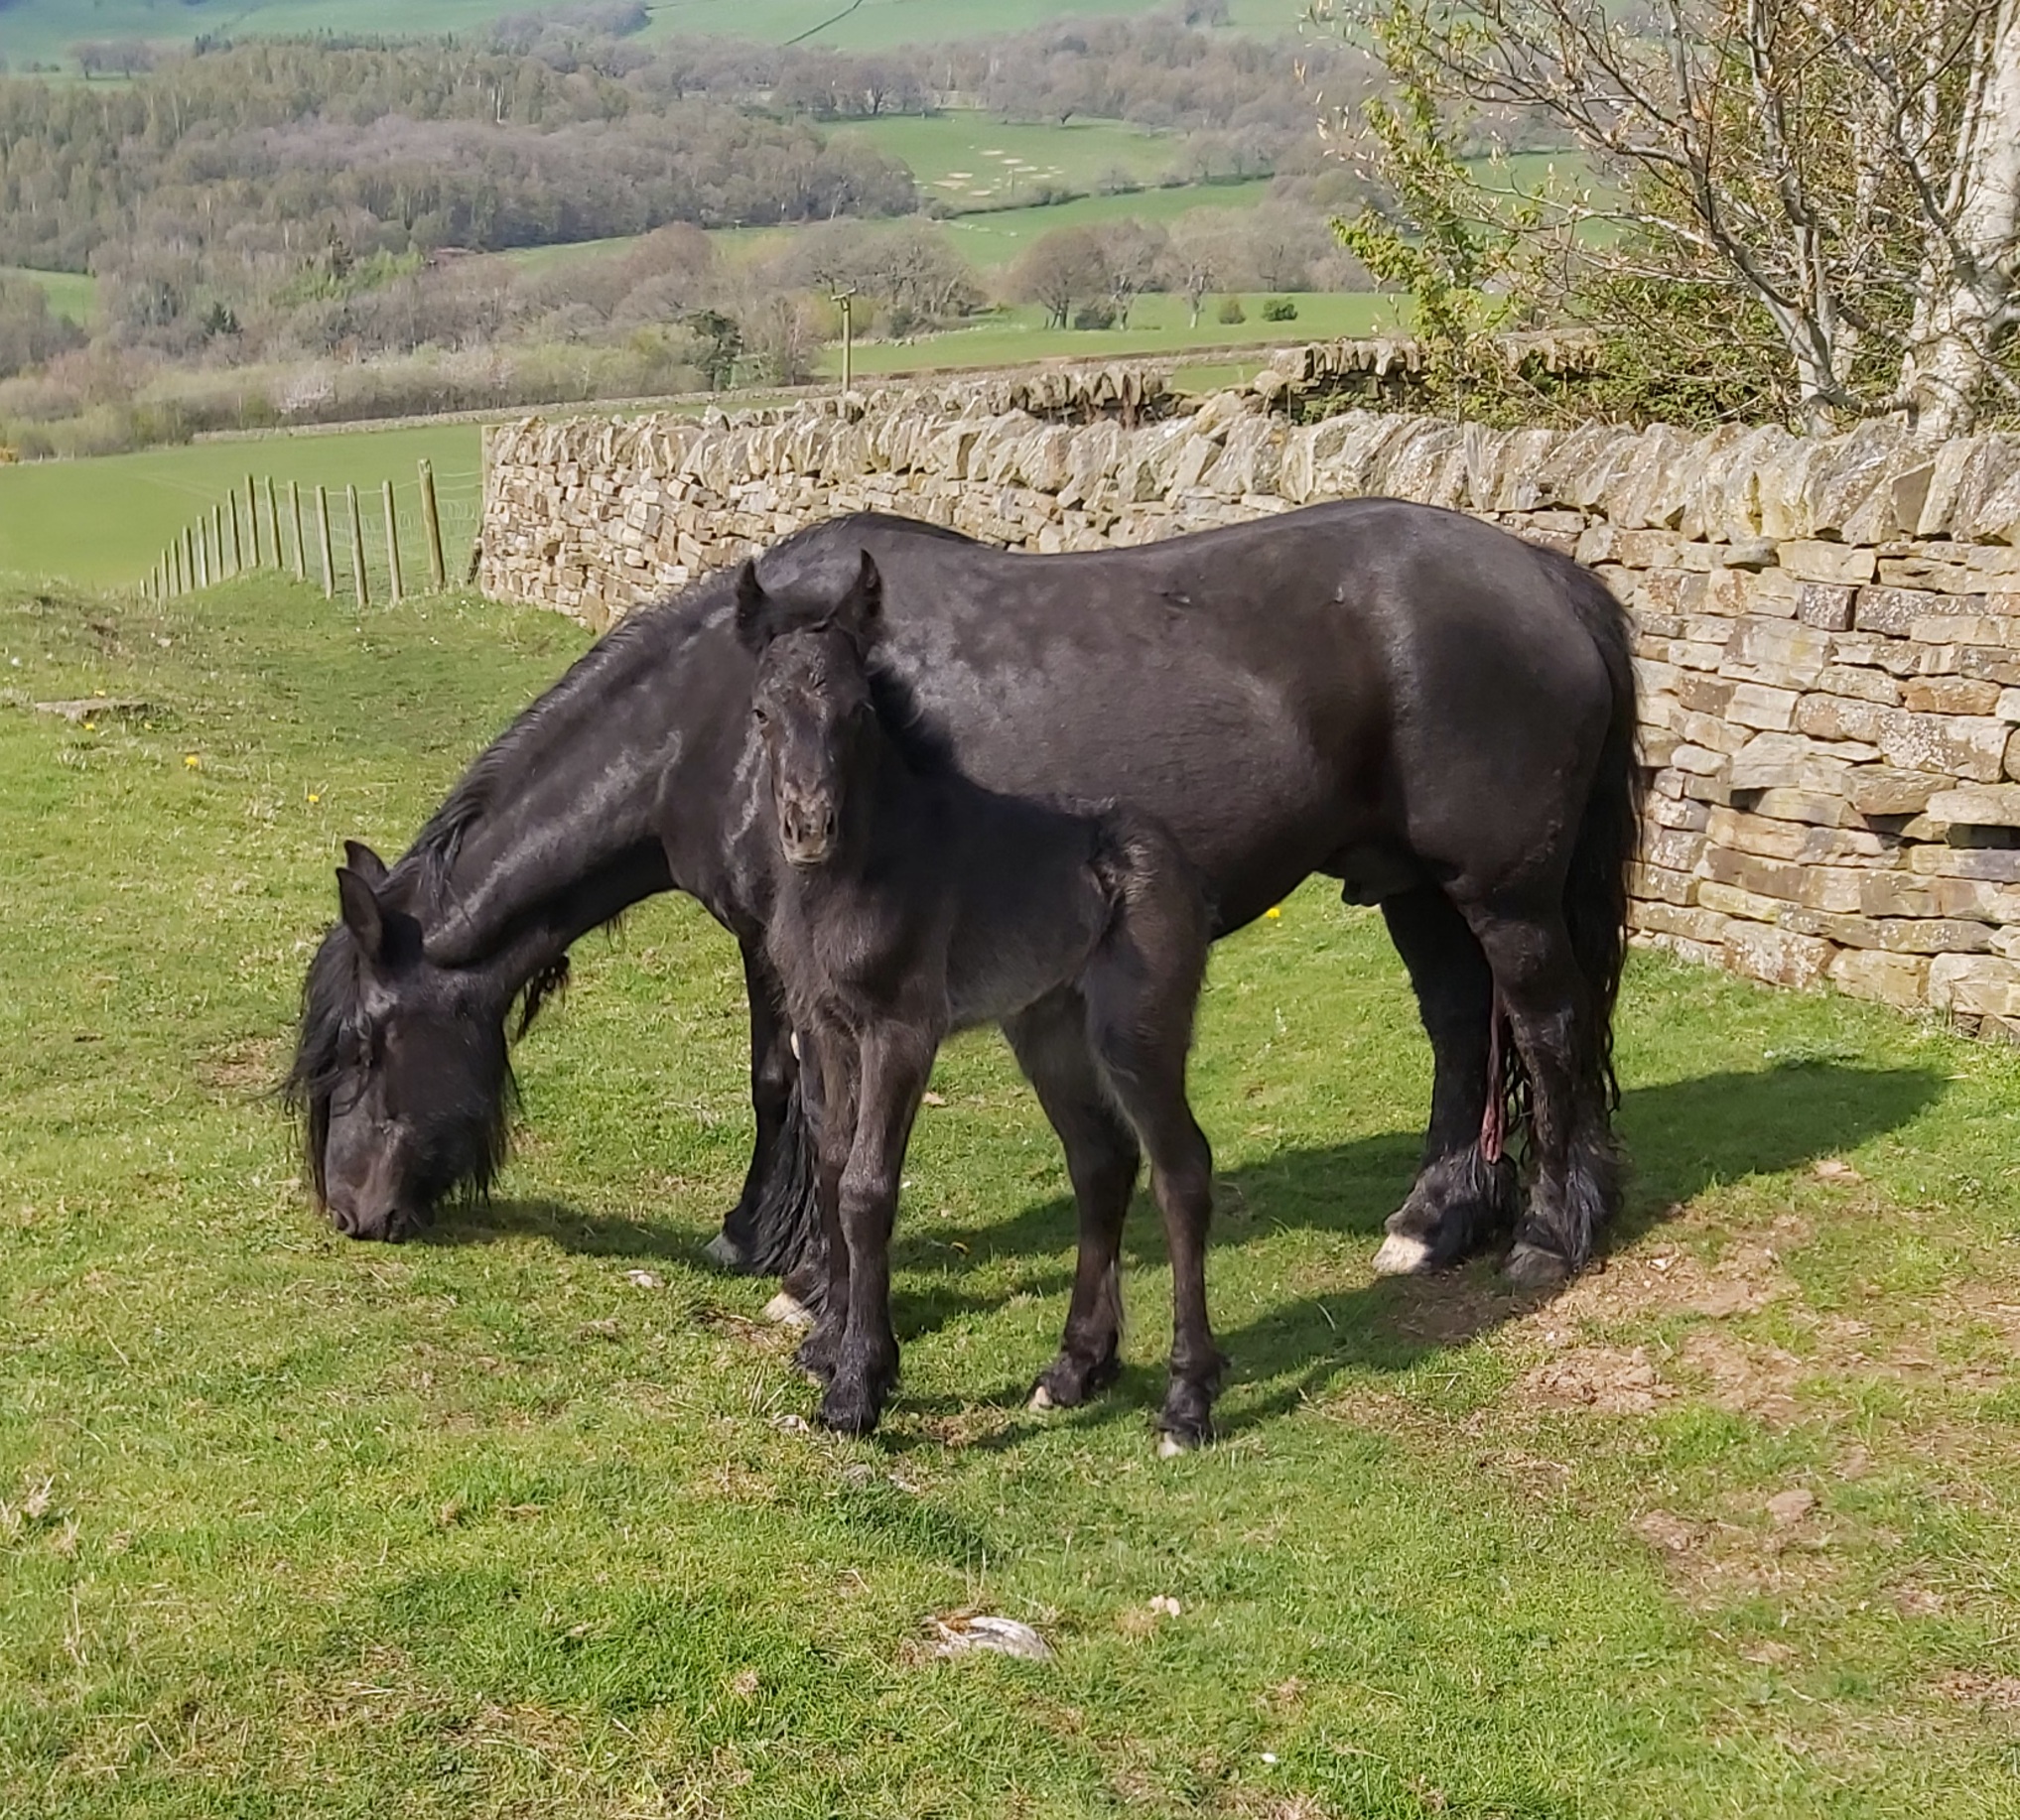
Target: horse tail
1609 831
1157 899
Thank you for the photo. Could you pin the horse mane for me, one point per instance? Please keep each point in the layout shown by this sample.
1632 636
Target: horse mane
332 991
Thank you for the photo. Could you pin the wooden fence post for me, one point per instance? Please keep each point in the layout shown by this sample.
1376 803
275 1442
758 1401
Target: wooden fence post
357 548
430 523
274 521
204 537
189 559
392 545
323 531
251 524
238 542
300 548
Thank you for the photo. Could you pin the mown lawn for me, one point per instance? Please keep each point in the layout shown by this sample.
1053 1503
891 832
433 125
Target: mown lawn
483 1527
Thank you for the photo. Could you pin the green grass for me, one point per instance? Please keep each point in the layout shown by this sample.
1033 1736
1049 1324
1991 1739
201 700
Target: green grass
70 294
479 1527
969 160
1158 324
104 521
44 30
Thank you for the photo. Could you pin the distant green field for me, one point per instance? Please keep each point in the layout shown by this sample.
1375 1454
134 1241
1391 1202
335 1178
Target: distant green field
103 522
990 239
1157 324
44 30
986 239
70 294
966 159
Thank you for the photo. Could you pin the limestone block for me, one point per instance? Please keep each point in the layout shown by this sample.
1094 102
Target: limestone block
1780 957
1950 694
1896 935
1659 884
1883 790
1860 685
1747 906
1826 605
1812 560
1691 923
1992 806
1886 894
1975 983
1901 981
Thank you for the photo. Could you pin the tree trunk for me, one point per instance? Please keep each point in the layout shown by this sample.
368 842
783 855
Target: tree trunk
1967 293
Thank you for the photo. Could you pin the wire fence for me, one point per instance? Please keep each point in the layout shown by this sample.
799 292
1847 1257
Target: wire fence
371 544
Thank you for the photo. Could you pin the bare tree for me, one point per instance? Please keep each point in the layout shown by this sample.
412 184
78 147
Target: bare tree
1058 269
1851 165
1132 260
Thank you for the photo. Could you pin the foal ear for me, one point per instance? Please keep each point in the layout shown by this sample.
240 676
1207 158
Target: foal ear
752 603
862 610
362 915
364 862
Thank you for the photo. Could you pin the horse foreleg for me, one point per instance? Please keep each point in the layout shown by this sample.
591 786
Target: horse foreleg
892 1078
1459 1199
821 1351
1102 1158
775 1226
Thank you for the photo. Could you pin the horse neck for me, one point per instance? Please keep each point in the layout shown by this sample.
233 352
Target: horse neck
554 831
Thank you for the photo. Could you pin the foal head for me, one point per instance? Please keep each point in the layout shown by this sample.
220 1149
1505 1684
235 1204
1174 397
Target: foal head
812 705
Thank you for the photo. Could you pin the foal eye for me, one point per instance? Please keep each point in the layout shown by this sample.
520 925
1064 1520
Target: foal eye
760 713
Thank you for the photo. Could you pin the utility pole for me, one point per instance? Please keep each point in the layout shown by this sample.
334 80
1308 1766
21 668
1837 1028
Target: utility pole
846 298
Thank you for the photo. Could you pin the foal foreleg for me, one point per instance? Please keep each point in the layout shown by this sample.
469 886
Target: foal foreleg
832 1055
892 1077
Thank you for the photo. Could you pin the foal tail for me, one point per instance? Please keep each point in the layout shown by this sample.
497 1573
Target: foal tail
1609 833
1159 922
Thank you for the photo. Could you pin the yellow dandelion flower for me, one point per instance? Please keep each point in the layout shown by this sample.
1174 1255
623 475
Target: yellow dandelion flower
1274 913
90 727
314 797
192 760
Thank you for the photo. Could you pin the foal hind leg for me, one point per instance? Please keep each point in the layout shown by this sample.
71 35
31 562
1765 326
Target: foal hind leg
1140 1037
1577 1183
1458 1198
1102 1158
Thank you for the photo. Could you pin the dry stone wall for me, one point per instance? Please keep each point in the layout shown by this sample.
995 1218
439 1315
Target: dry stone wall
1828 631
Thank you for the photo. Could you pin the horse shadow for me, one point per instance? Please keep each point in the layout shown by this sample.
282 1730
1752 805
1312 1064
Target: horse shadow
1683 1138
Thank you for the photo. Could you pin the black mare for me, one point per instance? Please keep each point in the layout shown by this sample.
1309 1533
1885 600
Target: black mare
906 906
1420 706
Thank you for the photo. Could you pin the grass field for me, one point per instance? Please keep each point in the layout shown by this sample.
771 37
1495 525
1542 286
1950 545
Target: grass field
70 294
482 1527
1158 324
971 159
44 30
104 521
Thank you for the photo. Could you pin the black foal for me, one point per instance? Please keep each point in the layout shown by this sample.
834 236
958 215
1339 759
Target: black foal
909 905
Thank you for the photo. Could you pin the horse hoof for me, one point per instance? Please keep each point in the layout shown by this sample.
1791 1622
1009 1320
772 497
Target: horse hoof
724 1250
1403 1256
788 1311
1041 1401
1531 1266
1169 1446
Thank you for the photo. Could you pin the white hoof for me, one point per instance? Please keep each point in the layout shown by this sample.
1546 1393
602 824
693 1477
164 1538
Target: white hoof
1402 1256
788 1311
1041 1401
1169 1447
724 1250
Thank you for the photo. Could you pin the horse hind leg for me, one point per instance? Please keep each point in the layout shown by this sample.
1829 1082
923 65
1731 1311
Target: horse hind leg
1460 1198
1103 1159
1576 1181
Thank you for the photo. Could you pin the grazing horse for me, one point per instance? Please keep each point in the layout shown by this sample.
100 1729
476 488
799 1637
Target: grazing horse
907 906
1423 707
